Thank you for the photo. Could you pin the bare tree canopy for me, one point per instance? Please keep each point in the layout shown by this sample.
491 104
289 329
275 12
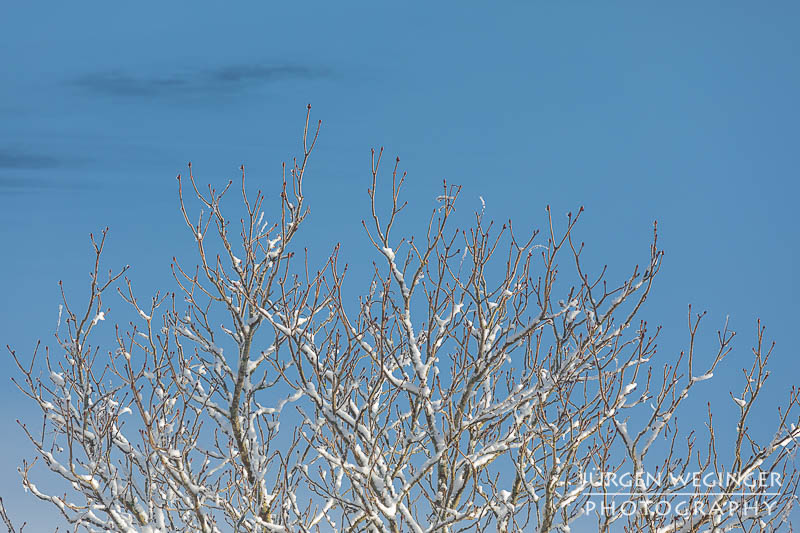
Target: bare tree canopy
483 380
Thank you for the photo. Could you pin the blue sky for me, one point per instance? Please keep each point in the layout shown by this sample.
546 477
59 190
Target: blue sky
682 112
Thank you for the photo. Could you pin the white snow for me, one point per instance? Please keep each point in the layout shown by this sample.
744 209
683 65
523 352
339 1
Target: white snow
57 379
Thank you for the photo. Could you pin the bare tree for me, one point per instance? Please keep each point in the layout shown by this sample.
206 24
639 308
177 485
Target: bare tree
469 388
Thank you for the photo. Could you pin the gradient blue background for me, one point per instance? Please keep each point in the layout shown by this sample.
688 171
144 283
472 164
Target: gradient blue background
684 112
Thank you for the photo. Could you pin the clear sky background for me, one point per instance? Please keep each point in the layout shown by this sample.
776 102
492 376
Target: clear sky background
685 112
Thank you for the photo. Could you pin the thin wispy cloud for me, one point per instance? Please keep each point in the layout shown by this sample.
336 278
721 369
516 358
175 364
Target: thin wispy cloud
266 74
19 160
216 81
27 171
32 184
121 84
13 157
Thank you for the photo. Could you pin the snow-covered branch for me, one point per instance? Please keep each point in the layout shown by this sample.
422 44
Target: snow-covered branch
472 386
